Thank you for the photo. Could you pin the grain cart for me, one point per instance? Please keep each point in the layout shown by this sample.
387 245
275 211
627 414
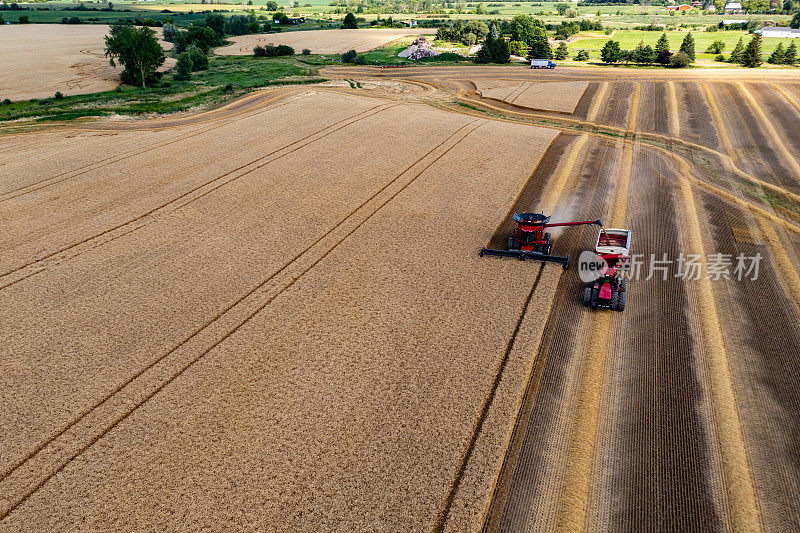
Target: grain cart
609 289
531 241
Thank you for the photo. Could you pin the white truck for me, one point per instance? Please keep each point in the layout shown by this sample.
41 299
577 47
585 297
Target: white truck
542 63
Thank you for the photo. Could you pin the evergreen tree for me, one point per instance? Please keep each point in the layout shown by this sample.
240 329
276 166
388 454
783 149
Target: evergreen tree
611 52
751 58
484 55
662 44
738 52
687 46
562 52
790 57
499 50
662 52
778 56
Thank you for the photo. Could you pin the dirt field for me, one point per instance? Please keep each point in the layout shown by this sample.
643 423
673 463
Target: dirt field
321 41
291 328
40 59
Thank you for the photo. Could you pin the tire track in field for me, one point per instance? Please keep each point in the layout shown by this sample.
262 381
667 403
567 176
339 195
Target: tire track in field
74 173
89 243
27 476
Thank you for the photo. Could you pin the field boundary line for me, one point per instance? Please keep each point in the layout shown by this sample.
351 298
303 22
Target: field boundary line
63 454
74 173
193 194
672 101
739 486
770 129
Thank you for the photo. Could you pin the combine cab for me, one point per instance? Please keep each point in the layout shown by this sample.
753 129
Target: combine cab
531 241
609 290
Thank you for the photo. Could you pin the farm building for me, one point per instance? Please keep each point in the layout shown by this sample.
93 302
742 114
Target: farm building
682 7
784 33
733 7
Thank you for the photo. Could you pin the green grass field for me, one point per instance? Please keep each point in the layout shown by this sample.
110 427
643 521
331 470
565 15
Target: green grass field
628 40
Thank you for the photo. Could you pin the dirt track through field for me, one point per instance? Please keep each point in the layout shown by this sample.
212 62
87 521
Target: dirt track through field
263 328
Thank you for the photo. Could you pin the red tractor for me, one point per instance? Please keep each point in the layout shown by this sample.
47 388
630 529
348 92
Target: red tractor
609 289
531 241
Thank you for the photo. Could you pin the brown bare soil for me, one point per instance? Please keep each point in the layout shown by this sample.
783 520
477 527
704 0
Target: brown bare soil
272 315
321 41
40 59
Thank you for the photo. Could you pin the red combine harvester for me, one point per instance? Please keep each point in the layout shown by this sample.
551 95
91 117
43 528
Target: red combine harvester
609 290
530 241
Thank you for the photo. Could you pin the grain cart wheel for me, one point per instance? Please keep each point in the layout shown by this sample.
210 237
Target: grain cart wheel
621 302
614 299
587 296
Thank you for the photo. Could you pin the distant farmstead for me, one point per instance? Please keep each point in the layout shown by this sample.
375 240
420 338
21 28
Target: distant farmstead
784 33
682 7
733 7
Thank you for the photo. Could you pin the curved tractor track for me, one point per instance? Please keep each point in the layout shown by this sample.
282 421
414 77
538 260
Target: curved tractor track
326 313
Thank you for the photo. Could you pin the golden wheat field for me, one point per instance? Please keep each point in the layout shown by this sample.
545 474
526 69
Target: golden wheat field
273 315
321 41
41 59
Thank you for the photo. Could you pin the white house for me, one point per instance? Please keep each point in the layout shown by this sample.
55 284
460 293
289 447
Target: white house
785 33
733 7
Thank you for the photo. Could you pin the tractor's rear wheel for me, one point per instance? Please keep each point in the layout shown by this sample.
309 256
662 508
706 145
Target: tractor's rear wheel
587 296
511 244
547 237
621 302
623 285
614 299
